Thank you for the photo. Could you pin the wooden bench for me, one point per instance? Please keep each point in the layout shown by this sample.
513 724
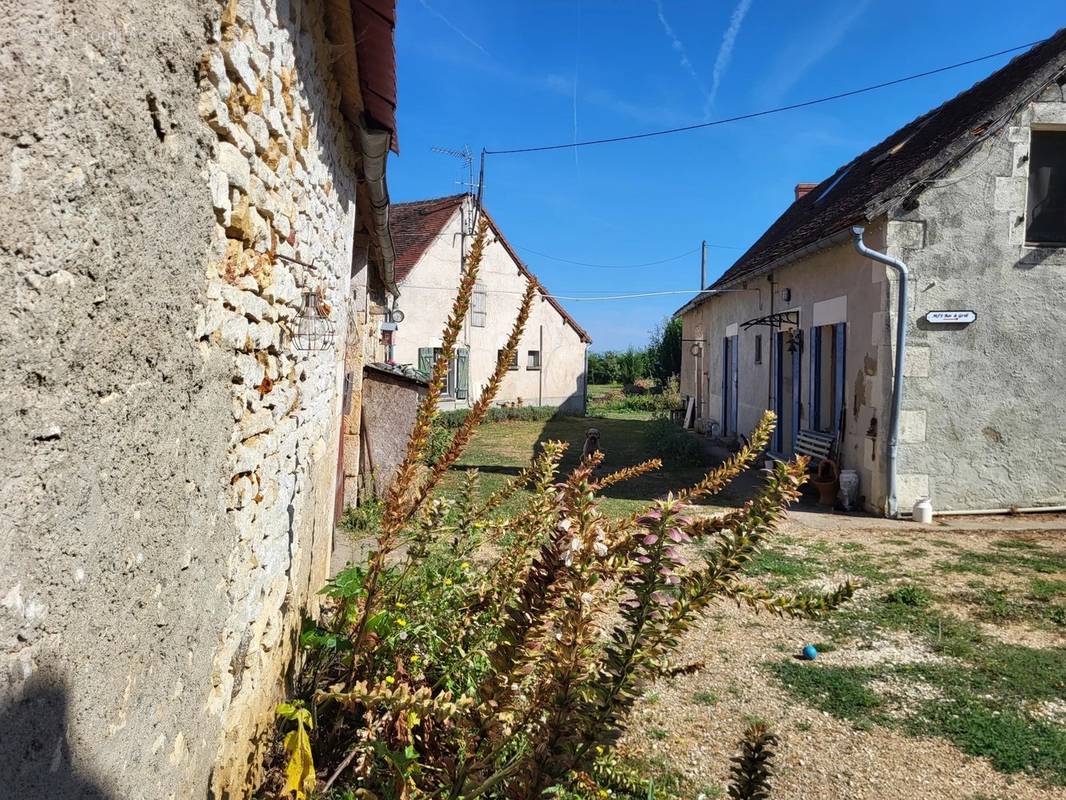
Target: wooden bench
817 446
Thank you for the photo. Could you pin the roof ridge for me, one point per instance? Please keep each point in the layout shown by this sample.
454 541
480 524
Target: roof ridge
893 168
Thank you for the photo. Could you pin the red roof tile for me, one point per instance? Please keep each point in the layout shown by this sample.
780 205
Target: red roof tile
416 225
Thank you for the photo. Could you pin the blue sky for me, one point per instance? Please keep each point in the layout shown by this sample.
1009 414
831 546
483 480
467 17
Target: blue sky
510 74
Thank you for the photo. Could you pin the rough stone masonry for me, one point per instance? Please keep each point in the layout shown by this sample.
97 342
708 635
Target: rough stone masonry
169 457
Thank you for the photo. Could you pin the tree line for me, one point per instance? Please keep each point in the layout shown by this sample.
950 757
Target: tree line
660 360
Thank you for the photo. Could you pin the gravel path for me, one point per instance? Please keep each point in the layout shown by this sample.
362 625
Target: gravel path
678 725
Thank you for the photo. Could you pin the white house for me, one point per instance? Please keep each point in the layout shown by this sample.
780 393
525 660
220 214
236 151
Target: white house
431 238
971 198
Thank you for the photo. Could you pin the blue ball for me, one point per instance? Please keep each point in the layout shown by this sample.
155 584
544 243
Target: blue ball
810 652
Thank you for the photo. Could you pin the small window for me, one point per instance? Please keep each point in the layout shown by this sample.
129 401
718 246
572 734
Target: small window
479 306
514 359
1046 206
457 384
533 362
758 348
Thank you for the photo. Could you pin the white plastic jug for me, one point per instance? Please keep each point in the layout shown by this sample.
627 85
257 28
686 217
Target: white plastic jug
922 512
849 488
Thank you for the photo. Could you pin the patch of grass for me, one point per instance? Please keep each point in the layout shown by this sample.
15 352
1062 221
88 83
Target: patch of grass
853 547
781 565
898 542
658 734
652 698
840 691
1011 561
1017 544
1045 589
862 566
943 543
803 726
705 698
911 595
997 605
915 552
982 693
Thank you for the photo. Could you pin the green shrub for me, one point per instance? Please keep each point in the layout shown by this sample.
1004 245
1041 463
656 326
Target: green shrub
673 444
363 518
440 439
913 596
454 419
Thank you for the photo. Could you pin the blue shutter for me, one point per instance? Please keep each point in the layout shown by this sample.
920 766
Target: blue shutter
814 380
840 348
797 394
725 385
734 363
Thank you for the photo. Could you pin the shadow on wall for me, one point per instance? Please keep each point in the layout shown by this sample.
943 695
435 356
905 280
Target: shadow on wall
36 762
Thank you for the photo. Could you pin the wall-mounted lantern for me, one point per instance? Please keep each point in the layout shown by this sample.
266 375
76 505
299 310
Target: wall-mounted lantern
313 329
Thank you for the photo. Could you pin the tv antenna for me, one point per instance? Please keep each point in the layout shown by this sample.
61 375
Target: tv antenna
467 158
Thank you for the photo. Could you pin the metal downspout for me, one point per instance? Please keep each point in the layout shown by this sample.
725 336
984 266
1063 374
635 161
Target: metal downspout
901 342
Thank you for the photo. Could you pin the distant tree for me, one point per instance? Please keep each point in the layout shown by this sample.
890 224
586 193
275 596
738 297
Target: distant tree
603 367
664 351
633 365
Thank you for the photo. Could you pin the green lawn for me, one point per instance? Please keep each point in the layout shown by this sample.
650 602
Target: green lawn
500 450
989 697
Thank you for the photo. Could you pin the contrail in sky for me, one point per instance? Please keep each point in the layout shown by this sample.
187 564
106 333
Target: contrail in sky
725 51
452 25
679 46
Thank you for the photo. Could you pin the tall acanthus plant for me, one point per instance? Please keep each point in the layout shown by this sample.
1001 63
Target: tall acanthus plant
484 654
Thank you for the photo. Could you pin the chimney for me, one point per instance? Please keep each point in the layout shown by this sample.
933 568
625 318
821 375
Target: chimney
803 188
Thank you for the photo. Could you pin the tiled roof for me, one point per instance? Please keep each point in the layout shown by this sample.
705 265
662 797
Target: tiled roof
416 225
883 176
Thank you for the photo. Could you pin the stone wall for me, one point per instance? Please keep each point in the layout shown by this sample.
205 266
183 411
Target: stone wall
984 403
170 459
282 179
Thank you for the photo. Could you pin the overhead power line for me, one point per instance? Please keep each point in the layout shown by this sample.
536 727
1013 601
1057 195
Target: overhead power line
578 299
686 254
608 266
764 113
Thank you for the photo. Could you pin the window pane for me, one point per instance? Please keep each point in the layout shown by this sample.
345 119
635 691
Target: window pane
1046 219
534 360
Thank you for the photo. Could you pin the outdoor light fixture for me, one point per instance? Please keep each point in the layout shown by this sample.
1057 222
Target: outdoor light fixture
396 316
696 349
313 329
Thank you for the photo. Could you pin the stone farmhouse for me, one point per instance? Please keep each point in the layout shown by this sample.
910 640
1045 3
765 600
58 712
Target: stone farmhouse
191 188
431 238
971 199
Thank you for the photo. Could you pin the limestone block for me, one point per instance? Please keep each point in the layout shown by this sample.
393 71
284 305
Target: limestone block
256 127
219 185
1017 133
235 332
234 165
256 424
216 73
239 59
249 370
247 303
1049 113
282 288
245 460
912 426
273 120
264 336
209 319
916 364
214 112
1020 160
907 234
257 193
